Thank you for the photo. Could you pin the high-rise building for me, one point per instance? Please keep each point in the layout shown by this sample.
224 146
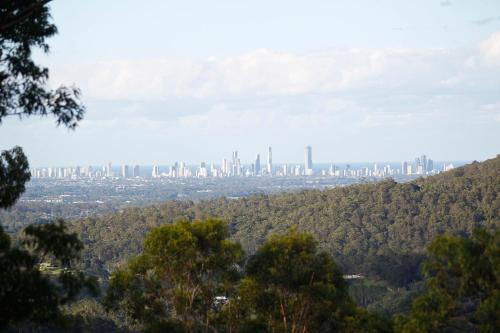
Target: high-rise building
270 161
284 171
423 163
174 170
224 167
90 171
213 170
296 171
155 173
182 170
416 165
125 171
202 172
308 164
137 171
236 164
430 165
404 168
234 160
257 165
109 170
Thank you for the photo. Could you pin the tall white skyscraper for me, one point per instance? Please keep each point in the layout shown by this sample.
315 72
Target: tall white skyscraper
202 171
235 162
109 170
224 168
308 165
270 161
125 172
182 170
284 171
156 172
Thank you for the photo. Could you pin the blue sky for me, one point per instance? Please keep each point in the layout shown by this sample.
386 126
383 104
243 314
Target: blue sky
194 80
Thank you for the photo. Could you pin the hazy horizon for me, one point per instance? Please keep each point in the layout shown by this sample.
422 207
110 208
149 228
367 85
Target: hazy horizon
189 81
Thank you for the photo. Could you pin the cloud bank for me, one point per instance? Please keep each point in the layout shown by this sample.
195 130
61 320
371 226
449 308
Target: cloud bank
266 72
440 101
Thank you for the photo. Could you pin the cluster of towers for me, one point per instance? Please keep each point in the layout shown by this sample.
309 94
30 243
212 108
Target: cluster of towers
233 167
421 166
79 172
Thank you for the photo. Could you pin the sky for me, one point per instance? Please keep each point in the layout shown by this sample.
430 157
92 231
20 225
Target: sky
167 81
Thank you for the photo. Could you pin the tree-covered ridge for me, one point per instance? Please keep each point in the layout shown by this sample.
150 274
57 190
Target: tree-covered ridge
358 224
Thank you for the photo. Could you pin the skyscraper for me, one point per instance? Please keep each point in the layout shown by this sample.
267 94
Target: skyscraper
423 162
156 172
257 165
137 171
417 167
285 170
308 165
125 173
404 168
182 170
270 161
430 165
109 170
236 164
202 172
224 168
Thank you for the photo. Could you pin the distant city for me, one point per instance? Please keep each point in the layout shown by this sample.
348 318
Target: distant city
234 168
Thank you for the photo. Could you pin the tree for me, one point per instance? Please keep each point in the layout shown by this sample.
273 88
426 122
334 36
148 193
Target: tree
463 280
291 286
174 283
37 274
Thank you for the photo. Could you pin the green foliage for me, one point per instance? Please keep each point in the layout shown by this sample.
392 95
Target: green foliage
188 279
26 292
88 315
14 173
293 287
175 281
463 279
24 25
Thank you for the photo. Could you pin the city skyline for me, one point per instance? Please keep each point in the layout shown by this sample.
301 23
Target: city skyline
256 161
234 167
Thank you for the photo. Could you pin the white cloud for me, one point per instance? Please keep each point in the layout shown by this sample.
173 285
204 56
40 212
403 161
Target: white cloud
266 72
490 49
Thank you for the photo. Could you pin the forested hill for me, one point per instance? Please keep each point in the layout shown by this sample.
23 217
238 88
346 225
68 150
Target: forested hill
357 223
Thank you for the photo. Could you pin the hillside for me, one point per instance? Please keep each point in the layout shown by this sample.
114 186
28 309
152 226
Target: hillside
359 224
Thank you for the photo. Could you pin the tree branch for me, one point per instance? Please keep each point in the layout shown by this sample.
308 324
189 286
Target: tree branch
30 10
